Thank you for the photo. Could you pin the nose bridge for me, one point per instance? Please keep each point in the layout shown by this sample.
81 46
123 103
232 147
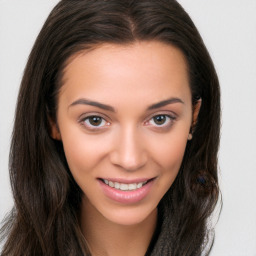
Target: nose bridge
129 152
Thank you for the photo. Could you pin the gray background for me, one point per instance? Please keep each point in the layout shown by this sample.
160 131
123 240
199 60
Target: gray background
228 28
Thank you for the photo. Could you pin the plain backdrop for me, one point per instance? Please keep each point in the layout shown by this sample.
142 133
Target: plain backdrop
228 28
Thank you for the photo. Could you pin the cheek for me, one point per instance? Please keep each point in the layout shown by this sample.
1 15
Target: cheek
82 152
168 152
169 161
173 153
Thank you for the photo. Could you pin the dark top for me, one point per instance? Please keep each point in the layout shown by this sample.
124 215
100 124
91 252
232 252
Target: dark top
160 244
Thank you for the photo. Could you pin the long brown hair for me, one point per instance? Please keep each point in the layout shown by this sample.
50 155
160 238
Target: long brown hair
44 220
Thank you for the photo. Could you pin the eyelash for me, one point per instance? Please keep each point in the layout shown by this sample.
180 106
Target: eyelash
86 122
168 121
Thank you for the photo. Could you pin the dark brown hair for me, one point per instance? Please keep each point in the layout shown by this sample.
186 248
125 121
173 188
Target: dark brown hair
44 220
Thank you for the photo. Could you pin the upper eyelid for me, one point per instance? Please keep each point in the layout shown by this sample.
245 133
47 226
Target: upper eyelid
172 119
171 114
90 114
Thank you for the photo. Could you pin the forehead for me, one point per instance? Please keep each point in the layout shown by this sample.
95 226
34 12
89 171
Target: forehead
144 69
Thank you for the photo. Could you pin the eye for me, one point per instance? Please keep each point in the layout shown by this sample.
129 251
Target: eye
94 122
161 121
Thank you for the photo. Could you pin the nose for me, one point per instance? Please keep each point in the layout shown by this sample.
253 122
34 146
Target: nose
129 152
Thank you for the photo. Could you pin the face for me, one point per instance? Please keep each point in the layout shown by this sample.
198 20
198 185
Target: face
124 116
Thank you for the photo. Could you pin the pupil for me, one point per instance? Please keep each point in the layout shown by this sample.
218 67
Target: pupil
95 120
160 119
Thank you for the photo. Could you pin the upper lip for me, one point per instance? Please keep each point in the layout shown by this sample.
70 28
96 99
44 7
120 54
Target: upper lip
127 181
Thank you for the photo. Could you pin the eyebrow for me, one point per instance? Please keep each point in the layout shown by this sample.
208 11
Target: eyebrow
110 108
164 103
92 103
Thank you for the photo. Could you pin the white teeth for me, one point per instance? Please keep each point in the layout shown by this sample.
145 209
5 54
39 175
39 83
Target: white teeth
124 186
132 186
139 185
111 184
117 185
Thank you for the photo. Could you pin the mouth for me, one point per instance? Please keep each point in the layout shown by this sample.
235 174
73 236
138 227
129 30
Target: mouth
126 191
125 186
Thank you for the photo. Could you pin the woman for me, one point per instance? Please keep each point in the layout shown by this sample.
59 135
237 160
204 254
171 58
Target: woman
114 150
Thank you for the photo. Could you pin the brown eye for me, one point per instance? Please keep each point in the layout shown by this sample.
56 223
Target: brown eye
161 122
95 120
94 123
160 119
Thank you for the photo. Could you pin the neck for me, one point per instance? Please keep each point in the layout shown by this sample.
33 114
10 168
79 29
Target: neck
106 238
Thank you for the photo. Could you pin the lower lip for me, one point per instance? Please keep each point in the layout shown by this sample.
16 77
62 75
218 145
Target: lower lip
126 197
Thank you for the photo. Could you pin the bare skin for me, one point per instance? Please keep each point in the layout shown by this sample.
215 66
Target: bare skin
106 238
124 118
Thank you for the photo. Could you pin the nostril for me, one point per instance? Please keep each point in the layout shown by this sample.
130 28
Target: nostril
129 162
128 150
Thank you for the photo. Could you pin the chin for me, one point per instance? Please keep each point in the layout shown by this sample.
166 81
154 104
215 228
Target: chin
130 216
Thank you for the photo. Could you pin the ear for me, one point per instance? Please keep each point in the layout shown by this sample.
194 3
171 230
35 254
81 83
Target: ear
54 130
196 110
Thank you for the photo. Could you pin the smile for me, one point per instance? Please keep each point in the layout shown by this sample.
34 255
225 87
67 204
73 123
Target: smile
124 186
126 192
